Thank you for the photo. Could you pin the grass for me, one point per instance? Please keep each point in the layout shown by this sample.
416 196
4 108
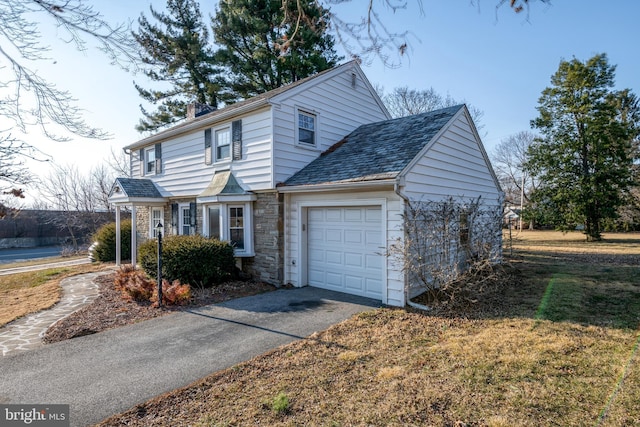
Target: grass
29 292
562 350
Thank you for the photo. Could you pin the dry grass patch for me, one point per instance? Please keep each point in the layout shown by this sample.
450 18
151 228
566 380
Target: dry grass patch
555 343
418 370
25 293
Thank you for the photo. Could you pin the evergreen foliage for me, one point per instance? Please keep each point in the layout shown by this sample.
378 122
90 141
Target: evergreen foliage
588 150
194 260
105 250
176 51
266 44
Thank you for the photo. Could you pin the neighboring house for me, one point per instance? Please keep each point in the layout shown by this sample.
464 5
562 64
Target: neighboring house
269 175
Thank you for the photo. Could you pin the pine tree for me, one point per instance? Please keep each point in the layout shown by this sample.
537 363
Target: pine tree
176 51
265 45
585 156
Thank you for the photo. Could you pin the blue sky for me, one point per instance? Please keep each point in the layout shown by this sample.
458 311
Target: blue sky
500 63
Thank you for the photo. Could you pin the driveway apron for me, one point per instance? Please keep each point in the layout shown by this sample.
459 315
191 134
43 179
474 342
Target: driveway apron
106 373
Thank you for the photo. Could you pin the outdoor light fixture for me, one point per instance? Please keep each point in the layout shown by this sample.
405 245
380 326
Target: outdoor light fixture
158 228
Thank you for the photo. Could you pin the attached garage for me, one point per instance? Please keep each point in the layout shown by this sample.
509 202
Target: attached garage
344 249
346 209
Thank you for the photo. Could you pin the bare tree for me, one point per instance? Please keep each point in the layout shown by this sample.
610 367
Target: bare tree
369 35
80 199
508 161
26 97
119 163
403 101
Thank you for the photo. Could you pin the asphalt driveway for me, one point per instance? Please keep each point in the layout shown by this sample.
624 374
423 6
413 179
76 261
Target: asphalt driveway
106 373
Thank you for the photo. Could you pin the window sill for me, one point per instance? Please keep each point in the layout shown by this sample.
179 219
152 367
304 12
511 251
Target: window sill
243 254
307 146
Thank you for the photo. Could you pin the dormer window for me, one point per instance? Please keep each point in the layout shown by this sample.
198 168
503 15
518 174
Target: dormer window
306 129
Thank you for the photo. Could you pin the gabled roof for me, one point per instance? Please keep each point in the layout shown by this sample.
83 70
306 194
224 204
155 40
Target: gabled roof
375 151
134 189
247 105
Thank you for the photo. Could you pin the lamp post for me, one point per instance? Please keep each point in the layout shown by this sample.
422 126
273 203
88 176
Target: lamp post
159 230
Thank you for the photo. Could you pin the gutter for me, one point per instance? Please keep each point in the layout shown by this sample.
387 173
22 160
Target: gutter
195 124
374 185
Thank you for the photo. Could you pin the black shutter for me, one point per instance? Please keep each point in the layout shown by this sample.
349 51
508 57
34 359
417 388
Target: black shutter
236 139
193 210
141 154
158 149
208 157
175 219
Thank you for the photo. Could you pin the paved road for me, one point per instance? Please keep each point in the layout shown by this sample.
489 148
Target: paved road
24 254
107 373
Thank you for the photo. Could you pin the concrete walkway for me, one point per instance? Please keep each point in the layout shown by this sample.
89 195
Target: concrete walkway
104 374
26 333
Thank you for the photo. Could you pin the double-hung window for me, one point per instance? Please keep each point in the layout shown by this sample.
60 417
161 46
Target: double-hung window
306 134
231 222
156 217
150 161
236 227
185 220
223 144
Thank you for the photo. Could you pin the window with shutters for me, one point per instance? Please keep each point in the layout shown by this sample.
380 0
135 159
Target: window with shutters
187 219
223 144
149 161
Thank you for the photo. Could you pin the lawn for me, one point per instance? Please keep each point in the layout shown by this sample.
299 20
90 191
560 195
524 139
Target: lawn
554 343
29 292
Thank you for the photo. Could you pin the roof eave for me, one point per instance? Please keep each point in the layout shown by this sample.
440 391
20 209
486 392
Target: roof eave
146 201
194 124
340 186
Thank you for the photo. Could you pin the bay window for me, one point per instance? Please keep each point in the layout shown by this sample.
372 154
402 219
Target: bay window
231 222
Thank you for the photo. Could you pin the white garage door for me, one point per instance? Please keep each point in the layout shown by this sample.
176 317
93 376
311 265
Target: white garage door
344 249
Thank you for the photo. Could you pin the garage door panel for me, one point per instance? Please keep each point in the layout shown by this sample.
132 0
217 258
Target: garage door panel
353 259
353 215
373 262
344 249
354 283
334 257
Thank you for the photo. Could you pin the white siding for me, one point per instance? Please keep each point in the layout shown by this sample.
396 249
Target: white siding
392 205
185 174
339 108
453 166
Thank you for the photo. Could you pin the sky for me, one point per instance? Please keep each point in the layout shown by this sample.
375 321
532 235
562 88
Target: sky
496 60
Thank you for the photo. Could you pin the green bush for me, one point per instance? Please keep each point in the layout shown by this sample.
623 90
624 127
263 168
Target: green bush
105 250
195 260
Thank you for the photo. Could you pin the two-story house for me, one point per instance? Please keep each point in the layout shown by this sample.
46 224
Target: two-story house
308 181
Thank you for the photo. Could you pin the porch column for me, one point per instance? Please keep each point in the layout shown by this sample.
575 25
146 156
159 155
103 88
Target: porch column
134 239
118 236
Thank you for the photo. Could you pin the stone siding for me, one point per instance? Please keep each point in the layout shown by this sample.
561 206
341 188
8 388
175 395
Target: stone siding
268 232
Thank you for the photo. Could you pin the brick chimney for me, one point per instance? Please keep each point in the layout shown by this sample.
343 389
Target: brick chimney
196 109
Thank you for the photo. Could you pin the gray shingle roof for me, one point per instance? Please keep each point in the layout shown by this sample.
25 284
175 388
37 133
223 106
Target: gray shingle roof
133 187
375 151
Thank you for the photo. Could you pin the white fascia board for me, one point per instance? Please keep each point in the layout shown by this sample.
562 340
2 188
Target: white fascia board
344 186
227 199
139 201
195 124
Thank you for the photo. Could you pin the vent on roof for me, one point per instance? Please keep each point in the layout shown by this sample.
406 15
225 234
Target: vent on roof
197 109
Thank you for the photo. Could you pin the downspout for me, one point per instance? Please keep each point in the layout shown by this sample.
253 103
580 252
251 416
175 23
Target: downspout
407 300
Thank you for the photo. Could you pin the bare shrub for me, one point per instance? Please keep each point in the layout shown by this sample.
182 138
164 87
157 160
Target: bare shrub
445 238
